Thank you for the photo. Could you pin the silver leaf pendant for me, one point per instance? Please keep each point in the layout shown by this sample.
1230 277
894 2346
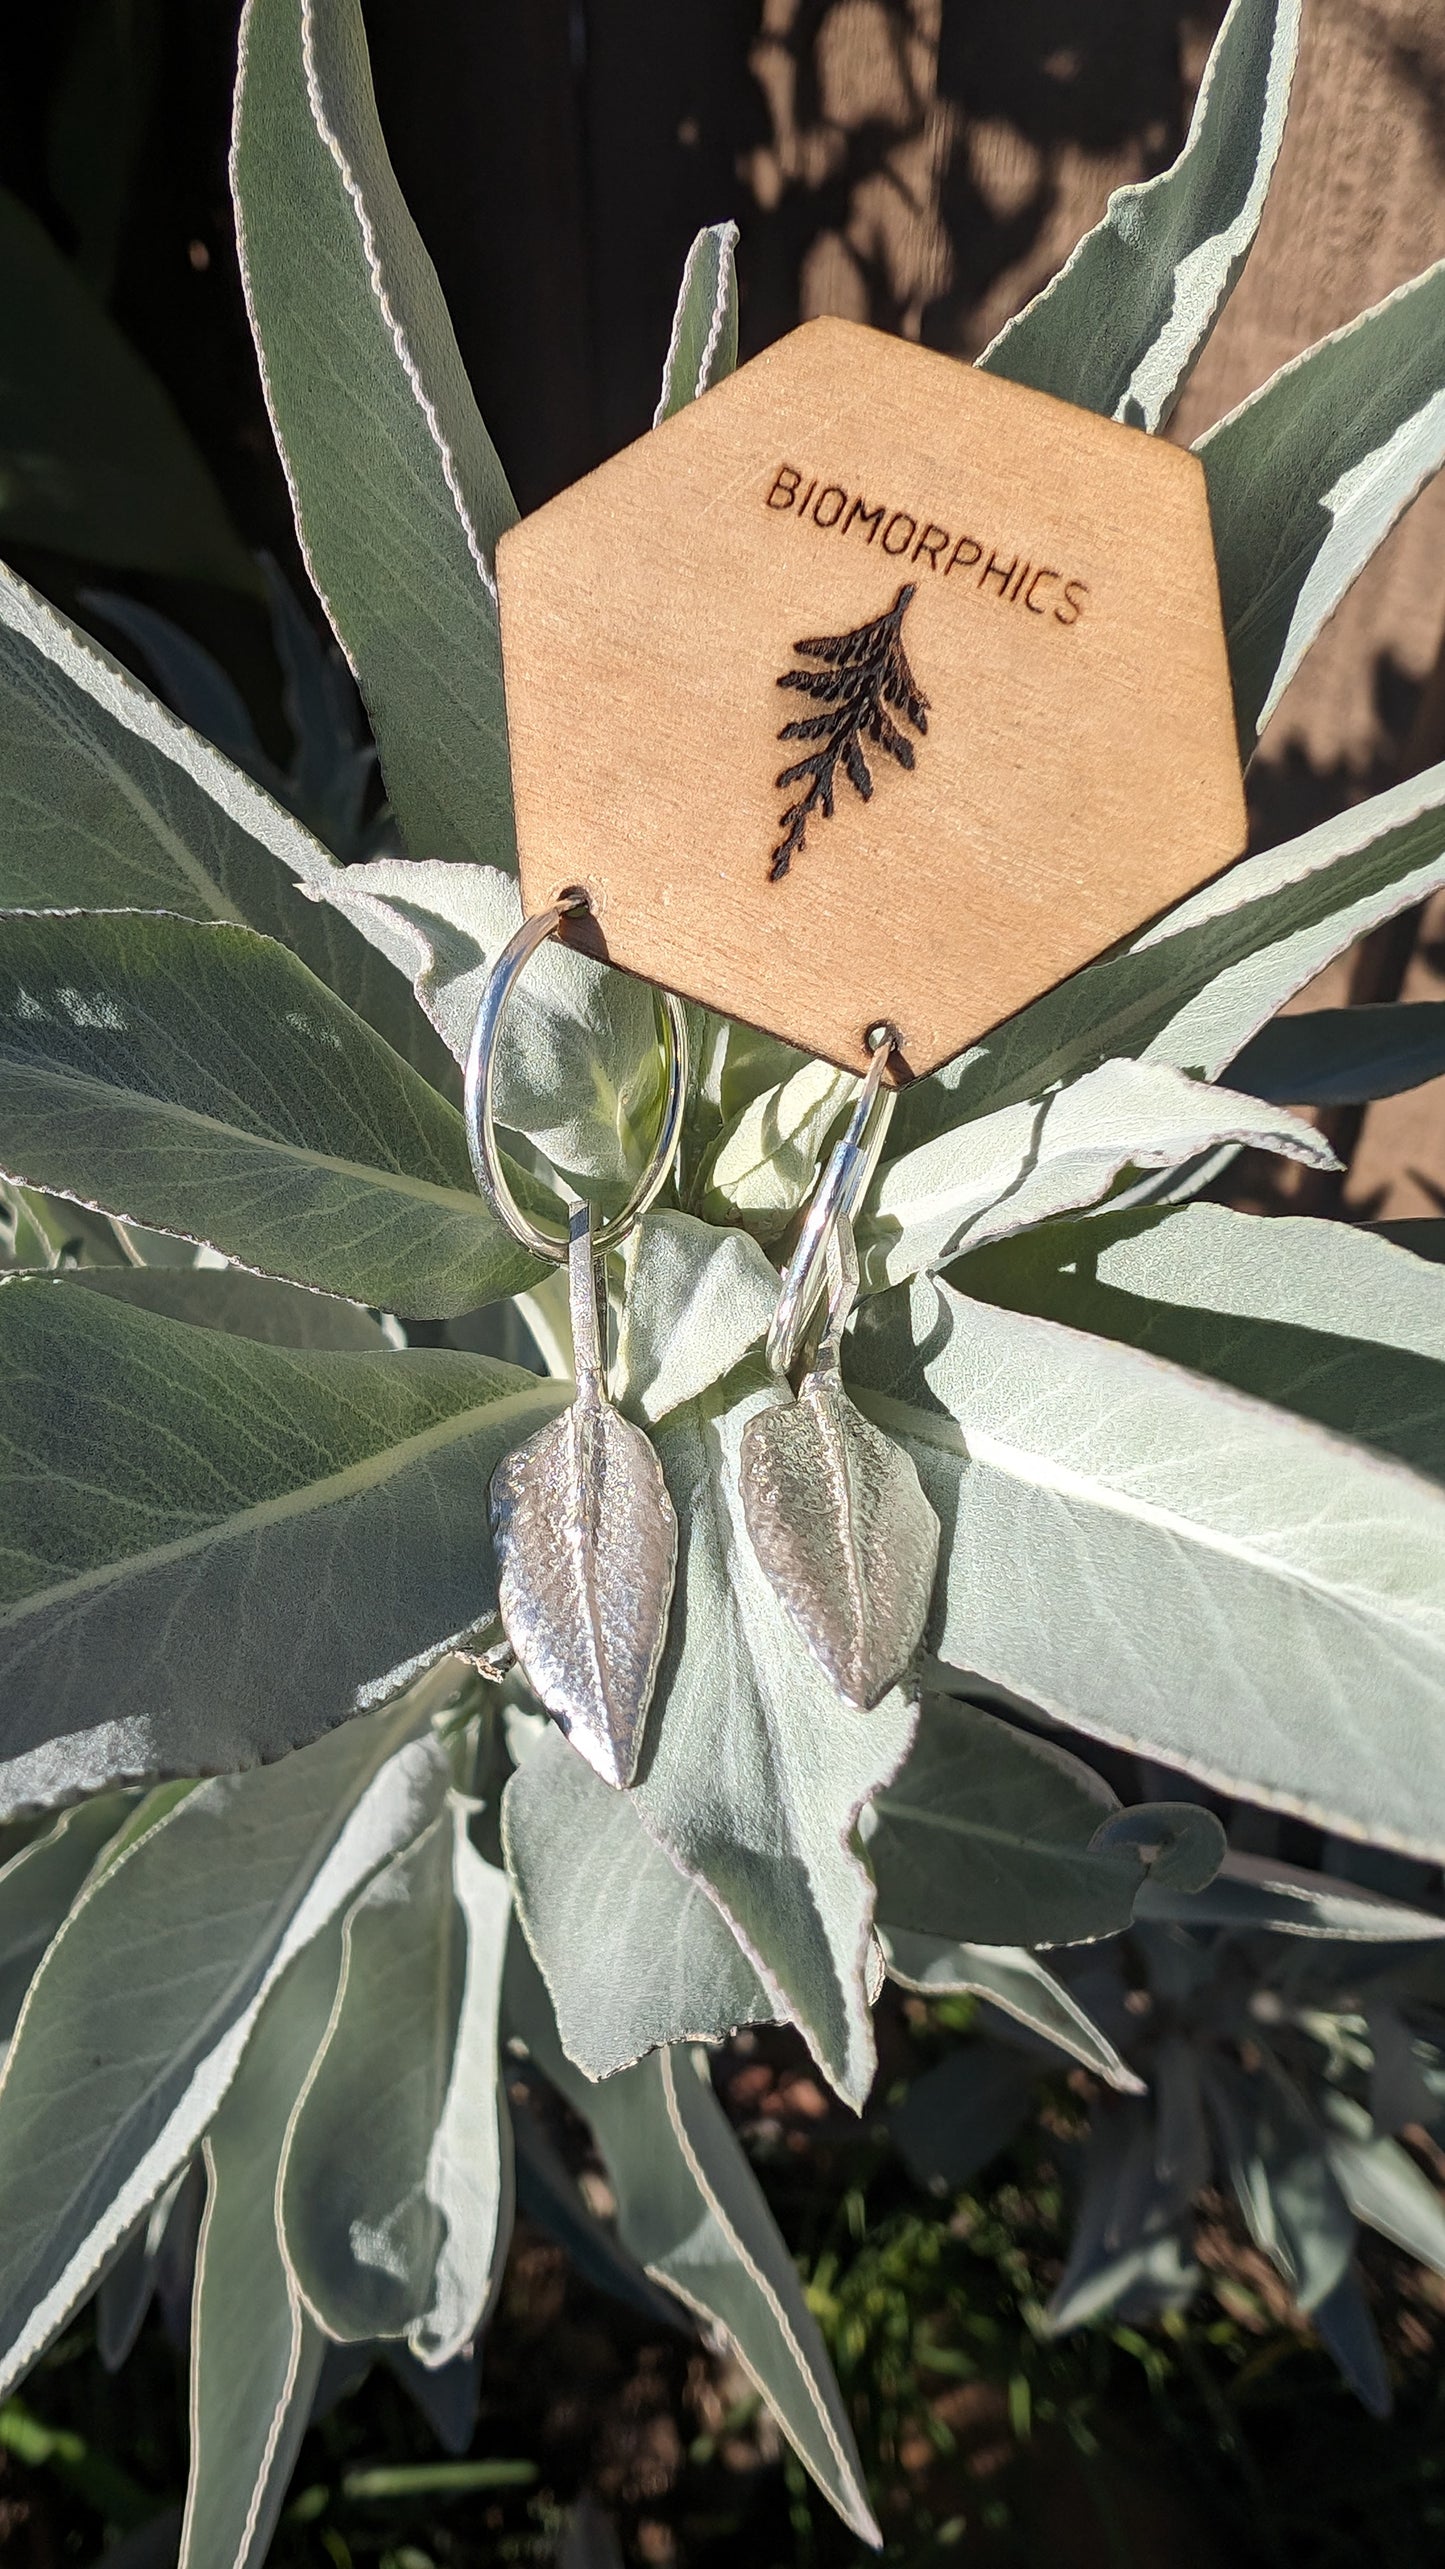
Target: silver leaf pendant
836 1515
586 1543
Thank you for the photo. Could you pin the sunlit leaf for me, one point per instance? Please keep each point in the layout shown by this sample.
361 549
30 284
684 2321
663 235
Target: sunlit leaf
139 2017
665 1969
253 1542
398 494
198 1079
1172 1566
704 343
1124 321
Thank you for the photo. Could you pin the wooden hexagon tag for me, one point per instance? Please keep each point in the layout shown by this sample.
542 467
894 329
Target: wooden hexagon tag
870 688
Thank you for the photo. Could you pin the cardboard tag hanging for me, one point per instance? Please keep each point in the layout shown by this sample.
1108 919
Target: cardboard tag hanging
870 687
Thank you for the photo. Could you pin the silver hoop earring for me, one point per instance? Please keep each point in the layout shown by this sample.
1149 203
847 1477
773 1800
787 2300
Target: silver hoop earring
835 1511
584 1531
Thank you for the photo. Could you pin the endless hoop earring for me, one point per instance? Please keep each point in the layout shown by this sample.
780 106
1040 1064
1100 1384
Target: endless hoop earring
583 1528
481 1080
844 1183
835 1511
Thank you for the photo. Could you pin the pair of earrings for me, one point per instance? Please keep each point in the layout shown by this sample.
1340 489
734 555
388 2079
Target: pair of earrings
584 1531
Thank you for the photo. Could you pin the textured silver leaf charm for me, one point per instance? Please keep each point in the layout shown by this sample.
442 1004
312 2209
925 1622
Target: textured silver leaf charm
836 1513
586 1543
837 1517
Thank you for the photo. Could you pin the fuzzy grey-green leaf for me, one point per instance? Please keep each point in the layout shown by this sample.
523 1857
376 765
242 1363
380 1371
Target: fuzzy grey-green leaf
1076 1477
202 1913
704 343
665 1966
1344 1056
1014 1980
1307 477
256 2354
580 1069
1027 1162
198 1079
399 497
1324 1320
93 457
991 1836
697 1300
391 2189
691 2210
254 1542
107 799
755 1770
1124 321
247 1306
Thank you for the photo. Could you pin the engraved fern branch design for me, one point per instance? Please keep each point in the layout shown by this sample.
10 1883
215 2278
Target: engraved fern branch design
862 674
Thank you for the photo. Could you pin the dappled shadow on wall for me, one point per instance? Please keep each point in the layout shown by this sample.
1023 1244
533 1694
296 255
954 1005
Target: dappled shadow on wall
930 163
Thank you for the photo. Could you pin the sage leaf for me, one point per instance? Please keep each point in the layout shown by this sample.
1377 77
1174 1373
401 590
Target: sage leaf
107 800
255 2353
1128 2242
1311 2222
697 1301
1073 1477
399 497
193 1924
1194 987
1332 1323
247 1306
691 2211
755 1771
704 342
765 1162
128 2286
1351 2339
1252 1892
550 2196
317 1536
1027 1162
449 2398
193 683
37 1888
990 1835
1016 1982
1122 325
579 1070
1344 1056
397 2160
1382 2184
1346 2329
93 457
199 1080
1307 477
666 1967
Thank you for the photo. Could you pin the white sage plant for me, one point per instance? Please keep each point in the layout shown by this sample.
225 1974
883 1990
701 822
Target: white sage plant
302 1899
1269 2037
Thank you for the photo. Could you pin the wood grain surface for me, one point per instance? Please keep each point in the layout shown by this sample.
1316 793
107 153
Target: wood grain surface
1065 763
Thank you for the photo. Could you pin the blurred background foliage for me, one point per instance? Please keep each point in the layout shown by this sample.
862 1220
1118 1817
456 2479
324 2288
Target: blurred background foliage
923 164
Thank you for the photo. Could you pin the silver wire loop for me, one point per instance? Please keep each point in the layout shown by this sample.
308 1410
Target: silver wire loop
547 1240
845 1182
